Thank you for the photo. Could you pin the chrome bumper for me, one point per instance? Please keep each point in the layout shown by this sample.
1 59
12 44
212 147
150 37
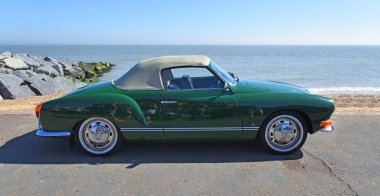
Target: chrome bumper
42 133
327 129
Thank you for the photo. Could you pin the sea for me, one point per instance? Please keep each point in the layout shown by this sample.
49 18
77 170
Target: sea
321 69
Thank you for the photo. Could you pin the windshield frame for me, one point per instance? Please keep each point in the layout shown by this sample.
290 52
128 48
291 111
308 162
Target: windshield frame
224 75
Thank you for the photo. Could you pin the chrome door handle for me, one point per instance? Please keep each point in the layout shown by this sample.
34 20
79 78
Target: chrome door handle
168 102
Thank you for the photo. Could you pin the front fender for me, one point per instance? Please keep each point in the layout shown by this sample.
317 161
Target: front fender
257 106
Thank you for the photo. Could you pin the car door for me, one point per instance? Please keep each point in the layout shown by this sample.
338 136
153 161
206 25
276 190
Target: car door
194 105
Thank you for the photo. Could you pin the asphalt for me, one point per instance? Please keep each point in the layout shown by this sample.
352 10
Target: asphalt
344 162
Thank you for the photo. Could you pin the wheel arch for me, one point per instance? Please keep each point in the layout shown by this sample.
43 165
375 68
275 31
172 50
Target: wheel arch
77 126
300 112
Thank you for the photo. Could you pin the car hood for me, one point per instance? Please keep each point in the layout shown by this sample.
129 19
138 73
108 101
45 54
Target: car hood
268 86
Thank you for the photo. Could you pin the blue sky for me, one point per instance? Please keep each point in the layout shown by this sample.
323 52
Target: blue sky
190 22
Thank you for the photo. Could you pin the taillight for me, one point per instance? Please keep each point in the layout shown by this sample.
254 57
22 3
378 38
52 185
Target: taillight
38 110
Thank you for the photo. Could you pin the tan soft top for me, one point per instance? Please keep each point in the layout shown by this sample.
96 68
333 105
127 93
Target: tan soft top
146 75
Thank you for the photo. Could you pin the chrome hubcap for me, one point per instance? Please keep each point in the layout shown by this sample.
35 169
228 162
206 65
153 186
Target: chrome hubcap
284 133
98 135
98 132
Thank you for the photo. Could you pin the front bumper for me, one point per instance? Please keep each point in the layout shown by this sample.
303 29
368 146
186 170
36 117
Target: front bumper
327 129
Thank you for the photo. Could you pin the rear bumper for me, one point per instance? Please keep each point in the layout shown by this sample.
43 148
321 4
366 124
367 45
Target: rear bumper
42 133
327 129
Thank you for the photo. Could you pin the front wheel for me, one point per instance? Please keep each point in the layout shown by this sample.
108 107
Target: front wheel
284 132
99 136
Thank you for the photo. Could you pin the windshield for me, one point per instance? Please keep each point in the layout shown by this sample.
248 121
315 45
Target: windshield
225 75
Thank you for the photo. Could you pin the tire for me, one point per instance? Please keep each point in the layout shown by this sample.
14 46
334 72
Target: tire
283 132
98 136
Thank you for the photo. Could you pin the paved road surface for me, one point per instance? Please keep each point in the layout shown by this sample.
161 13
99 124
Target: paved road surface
345 162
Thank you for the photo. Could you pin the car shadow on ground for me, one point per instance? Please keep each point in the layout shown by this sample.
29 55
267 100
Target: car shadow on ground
31 149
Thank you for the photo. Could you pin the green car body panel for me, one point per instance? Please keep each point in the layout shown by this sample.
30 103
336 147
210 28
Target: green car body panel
241 107
196 114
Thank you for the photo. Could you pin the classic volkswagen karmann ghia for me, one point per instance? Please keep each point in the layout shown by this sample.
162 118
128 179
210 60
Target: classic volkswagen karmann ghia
184 98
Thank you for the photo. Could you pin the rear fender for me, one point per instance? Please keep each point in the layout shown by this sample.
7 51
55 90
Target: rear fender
64 113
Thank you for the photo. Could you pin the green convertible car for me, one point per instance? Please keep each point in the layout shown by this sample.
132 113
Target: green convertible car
184 98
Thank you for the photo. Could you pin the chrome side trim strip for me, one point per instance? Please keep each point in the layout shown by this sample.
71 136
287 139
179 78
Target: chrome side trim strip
168 102
194 129
190 128
42 133
251 128
200 130
141 129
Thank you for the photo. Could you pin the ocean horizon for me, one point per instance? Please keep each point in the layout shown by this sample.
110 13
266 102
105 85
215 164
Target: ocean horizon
332 69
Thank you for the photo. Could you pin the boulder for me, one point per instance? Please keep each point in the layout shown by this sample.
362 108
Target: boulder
65 84
50 59
47 69
5 70
91 76
43 85
24 74
12 87
14 63
72 63
75 63
32 63
75 72
59 68
7 54
68 69
47 65
41 61
66 65
101 67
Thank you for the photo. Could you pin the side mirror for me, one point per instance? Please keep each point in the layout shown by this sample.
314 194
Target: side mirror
232 74
226 87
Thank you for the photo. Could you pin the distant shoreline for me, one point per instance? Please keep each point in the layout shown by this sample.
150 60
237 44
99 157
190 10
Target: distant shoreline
346 90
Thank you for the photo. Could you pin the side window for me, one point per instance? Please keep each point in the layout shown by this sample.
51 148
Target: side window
190 78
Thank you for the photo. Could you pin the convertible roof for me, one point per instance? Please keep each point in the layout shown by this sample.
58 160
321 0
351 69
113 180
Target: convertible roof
146 75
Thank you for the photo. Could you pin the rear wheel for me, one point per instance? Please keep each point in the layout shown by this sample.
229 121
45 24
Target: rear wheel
284 132
99 136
